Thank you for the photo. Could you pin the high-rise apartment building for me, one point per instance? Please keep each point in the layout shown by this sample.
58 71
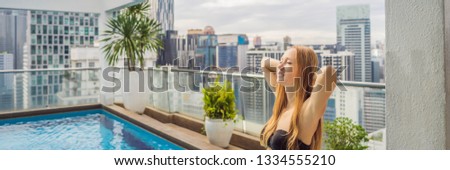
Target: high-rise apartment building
257 42
232 50
342 61
353 32
83 86
50 37
205 53
374 110
13 26
6 82
287 42
255 56
163 11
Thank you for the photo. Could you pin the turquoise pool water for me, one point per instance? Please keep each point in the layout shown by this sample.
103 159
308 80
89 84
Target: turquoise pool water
81 130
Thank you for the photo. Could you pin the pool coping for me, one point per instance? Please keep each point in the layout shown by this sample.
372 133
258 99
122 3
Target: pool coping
182 136
48 110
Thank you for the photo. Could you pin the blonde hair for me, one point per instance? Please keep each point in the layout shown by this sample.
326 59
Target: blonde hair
307 65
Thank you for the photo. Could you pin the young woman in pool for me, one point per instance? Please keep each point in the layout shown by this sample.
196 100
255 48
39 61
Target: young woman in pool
302 92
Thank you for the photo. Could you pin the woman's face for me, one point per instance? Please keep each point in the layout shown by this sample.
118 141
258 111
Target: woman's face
287 69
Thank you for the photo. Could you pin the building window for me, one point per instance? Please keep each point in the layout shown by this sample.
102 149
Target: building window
33 49
66 49
66 30
50 59
33 39
33 19
72 40
39 59
39 19
61 20
78 65
39 39
91 21
91 64
55 29
33 29
50 39
72 21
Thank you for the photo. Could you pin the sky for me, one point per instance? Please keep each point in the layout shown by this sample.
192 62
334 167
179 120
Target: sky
305 21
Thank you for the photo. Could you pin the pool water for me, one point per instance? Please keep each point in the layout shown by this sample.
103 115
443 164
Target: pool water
81 130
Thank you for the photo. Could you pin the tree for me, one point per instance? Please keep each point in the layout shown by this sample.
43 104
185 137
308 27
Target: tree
342 134
131 34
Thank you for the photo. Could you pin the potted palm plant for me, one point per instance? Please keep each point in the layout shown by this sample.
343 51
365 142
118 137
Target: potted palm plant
220 113
132 34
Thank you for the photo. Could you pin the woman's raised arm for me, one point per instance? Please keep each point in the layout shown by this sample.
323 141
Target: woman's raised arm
324 86
268 66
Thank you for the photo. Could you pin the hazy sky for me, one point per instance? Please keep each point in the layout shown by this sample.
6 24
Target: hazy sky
305 21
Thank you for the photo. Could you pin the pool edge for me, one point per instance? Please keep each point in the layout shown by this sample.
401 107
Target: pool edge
164 130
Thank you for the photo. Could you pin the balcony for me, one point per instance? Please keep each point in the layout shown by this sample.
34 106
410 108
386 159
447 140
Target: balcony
31 90
416 113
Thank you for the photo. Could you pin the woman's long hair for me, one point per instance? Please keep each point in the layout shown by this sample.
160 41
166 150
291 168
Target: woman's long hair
307 66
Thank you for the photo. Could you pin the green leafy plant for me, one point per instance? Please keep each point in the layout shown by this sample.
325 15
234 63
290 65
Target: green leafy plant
131 33
342 134
219 101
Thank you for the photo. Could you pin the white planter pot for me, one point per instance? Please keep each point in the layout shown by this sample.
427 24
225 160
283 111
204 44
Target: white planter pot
136 100
219 132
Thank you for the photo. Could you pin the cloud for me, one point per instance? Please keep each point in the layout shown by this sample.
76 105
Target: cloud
306 22
236 3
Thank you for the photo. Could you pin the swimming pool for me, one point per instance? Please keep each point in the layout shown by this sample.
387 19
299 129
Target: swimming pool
81 130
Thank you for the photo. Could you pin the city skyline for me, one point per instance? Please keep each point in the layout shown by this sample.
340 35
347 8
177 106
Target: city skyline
250 17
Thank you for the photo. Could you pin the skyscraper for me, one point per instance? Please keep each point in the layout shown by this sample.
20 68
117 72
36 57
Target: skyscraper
186 46
376 72
255 56
374 110
209 30
6 82
342 61
287 42
353 32
163 11
257 100
6 63
349 103
13 26
232 50
257 42
205 54
330 111
50 37
83 86
168 55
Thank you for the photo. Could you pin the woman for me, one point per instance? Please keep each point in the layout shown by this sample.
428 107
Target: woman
301 93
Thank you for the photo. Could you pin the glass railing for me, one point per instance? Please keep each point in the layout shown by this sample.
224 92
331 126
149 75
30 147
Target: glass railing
363 102
33 89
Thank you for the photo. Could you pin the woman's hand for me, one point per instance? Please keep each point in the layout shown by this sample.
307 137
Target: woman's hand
270 64
269 68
